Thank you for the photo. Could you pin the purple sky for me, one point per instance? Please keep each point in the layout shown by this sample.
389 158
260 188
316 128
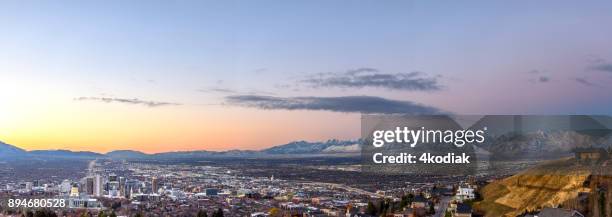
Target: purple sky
72 71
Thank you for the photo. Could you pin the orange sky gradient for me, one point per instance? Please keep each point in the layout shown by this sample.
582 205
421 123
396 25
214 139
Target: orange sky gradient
104 127
193 57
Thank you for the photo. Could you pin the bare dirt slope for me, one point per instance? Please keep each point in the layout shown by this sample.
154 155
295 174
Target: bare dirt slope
547 185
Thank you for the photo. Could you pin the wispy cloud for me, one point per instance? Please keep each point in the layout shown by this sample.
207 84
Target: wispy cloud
373 78
584 81
228 91
133 101
605 67
360 104
543 79
261 70
217 90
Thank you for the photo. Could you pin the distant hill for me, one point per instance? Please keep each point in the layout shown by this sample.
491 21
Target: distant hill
7 150
542 137
126 154
354 148
548 185
236 152
184 154
304 147
541 144
65 154
298 148
328 147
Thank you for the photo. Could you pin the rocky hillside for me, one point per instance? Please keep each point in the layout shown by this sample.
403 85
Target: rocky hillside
547 185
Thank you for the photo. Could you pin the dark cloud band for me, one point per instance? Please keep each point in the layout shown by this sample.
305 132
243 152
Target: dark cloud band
359 104
369 77
606 67
584 81
134 101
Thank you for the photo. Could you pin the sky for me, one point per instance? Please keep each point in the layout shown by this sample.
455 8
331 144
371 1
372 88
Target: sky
161 76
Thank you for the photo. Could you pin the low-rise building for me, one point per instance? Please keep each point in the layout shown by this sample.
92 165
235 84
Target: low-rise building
463 210
558 212
465 193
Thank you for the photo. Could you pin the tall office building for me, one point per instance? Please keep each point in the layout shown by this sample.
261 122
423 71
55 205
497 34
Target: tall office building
122 186
98 186
154 184
113 186
113 189
89 185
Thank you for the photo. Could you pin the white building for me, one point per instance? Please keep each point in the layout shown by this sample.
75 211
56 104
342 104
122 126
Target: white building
98 186
28 186
84 203
65 187
465 193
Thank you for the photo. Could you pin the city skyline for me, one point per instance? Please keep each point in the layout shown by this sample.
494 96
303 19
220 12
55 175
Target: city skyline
160 76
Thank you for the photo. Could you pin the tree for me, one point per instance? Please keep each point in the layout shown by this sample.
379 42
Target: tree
202 213
274 212
113 214
102 214
218 213
406 200
115 205
403 202
392 206
448 214
45 213
371 210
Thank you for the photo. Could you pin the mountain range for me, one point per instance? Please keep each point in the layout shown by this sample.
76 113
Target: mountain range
7 150
294 148
508 137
